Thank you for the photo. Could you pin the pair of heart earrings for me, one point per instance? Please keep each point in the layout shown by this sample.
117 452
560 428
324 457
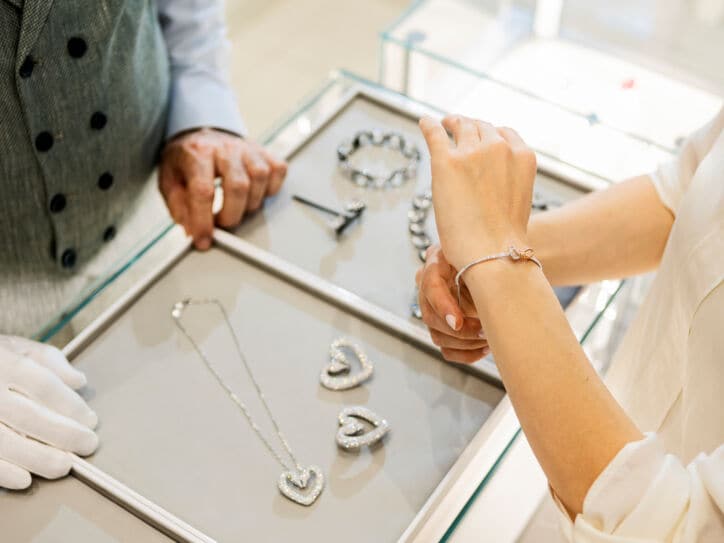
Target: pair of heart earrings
339 375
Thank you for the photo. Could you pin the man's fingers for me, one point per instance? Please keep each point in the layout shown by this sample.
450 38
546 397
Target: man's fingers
235 183
13 477
465 357
47 356
47 389
32 455
278 172
464 131
173 190
34 420
199 173
446 341
259 172
435 136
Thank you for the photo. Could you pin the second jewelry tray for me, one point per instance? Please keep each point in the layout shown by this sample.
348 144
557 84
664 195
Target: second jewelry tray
176 451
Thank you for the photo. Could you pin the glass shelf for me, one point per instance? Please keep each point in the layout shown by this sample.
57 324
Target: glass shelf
593 316
550 70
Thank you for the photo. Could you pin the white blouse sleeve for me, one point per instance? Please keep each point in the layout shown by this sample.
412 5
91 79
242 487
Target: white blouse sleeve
646 495
672 178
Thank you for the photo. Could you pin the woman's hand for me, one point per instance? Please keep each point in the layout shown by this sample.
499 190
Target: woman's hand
482 186
455 329
41 416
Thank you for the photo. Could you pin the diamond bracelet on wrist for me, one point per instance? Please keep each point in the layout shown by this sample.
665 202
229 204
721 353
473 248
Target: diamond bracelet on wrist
525 255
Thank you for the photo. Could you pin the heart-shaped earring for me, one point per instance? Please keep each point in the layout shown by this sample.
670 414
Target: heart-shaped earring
338 375
293 482
352 435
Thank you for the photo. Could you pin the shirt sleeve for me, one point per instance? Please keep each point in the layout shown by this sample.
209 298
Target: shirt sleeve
672 178
195 36
647 495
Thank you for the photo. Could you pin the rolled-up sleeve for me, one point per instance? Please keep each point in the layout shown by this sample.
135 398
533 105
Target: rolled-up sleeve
195 35
672 178
647 495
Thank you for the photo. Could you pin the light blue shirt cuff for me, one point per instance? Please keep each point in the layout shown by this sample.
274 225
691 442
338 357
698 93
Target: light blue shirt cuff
199 100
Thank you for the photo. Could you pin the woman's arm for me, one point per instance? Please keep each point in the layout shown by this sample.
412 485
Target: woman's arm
612 233
615 232
482 189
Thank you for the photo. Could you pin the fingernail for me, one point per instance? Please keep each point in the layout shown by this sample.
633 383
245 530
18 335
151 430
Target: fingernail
486 351
451 321
482 335
203 243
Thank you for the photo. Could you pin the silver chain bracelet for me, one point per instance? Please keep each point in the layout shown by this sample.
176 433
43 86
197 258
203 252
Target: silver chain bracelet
394 141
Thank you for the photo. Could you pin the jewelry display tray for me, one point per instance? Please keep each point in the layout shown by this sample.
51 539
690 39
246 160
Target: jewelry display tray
177 452
68 510
373 261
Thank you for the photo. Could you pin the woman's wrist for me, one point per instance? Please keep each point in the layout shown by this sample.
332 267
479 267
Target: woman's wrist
484 246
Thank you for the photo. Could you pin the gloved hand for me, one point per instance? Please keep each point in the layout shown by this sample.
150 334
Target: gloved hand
41 415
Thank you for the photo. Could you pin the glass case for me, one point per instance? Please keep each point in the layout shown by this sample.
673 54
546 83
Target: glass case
129 349
582 81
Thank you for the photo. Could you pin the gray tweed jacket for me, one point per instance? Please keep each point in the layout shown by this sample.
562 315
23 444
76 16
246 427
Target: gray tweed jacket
83 97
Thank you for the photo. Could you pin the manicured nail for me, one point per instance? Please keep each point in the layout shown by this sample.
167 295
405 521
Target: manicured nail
486 351
451 321
482 335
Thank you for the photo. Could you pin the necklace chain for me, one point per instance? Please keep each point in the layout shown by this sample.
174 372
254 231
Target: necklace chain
176 313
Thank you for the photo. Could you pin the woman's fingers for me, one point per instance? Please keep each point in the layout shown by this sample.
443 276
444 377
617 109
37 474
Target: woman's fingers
13 477
37 421
32 455
435 136
446 341
464 131
488 133
434 287
470 329
46 388
465 357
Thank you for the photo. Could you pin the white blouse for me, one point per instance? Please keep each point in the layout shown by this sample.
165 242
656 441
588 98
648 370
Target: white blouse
669 375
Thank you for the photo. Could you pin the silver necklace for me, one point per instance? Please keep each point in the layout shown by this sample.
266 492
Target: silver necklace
294 479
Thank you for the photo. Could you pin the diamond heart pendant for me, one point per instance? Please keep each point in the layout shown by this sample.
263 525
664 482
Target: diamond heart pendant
338 374
295 485
351 434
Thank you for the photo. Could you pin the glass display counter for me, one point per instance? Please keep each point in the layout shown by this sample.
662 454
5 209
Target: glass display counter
610 88
178 455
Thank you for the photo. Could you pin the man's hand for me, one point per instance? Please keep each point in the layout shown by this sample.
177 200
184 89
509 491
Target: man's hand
192 161
41 417
456 330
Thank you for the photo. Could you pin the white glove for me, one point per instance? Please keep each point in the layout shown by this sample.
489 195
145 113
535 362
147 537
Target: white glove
41 417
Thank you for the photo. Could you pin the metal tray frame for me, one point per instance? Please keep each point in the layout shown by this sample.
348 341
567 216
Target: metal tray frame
466 474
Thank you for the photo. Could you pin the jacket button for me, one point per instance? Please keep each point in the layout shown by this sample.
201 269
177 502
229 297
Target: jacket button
98 120
109 234
57 203
105 181
68 258
26 68
43 142
77 47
